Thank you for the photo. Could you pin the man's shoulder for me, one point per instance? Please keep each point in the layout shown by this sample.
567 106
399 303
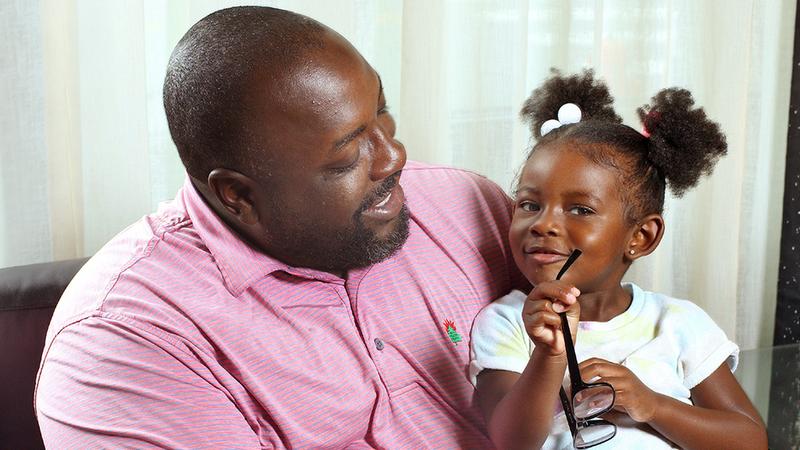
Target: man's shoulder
464 214
455 202
422 170
438 183
157 256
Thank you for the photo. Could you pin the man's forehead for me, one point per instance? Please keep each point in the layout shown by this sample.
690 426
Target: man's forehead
329 92
326 82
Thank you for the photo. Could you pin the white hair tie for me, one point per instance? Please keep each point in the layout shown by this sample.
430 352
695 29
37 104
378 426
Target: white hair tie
568 113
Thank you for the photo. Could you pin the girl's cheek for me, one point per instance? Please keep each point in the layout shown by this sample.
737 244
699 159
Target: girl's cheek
515 232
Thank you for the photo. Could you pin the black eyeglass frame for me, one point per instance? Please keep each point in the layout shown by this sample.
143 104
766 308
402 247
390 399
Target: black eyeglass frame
576 425
576 382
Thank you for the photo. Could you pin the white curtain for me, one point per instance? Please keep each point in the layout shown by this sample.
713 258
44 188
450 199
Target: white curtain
86 150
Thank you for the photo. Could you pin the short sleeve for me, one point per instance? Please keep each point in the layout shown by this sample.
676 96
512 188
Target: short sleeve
498 340
704 344
106 384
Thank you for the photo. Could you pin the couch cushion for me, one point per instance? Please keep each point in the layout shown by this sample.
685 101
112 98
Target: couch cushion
28 296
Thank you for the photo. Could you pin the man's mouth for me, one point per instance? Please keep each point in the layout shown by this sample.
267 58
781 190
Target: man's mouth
386 202
381 194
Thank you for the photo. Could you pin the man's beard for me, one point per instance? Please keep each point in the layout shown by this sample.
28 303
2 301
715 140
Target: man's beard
364 248
360 247
316 247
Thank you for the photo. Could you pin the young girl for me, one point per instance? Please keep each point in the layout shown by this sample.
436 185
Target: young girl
594 184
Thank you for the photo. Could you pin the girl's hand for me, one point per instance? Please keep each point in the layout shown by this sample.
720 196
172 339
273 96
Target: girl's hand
540 314
632 396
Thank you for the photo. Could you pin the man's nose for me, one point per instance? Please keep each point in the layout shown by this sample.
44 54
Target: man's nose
389 156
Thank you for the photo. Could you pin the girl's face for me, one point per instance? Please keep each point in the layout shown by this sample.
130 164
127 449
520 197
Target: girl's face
565 201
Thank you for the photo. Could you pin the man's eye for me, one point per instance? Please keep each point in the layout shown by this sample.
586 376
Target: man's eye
347 168
581 210
383 109
529 206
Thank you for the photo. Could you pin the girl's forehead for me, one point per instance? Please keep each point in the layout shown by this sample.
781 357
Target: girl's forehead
566 167
555 157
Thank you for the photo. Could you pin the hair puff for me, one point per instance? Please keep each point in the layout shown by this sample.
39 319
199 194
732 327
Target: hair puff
684 143
591 96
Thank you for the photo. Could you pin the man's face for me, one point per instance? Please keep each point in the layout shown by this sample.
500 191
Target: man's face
329 195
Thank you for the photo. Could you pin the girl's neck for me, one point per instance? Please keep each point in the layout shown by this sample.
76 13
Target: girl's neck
602 306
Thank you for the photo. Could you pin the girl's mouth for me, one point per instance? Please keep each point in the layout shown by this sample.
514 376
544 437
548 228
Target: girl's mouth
544 255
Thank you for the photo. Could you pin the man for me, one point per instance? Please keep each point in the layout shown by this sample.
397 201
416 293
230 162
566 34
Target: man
298 292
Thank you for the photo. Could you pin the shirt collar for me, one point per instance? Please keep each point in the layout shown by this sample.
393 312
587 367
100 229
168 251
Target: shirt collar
240 264
627 316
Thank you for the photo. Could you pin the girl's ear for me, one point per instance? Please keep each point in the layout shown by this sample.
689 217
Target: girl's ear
646 236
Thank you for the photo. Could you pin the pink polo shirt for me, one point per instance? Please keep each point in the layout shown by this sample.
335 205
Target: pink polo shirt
179 335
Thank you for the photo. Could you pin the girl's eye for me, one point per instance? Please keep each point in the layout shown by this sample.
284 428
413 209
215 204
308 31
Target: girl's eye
581 210
529 206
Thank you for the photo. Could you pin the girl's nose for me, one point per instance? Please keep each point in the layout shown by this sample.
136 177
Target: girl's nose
546 224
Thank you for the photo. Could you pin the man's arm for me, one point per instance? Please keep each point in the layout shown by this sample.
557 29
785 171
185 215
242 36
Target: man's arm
105 383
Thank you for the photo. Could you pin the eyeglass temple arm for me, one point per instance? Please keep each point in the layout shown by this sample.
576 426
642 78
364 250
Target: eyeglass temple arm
573 427
572 359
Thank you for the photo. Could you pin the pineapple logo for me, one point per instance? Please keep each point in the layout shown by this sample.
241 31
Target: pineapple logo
450 327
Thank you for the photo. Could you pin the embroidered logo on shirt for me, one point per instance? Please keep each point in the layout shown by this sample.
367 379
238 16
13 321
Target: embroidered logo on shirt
450 327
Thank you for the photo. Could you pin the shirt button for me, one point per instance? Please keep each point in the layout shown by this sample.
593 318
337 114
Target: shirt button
379 344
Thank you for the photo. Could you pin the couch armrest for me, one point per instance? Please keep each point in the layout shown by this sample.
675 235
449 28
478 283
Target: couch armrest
28 296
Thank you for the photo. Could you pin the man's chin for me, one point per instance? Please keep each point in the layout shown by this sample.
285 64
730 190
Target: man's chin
359 247
388 230
371 247
383 247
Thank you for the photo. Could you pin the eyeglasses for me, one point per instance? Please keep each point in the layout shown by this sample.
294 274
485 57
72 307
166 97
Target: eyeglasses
589 400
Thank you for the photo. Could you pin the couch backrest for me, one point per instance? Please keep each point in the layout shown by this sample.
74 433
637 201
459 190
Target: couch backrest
28 296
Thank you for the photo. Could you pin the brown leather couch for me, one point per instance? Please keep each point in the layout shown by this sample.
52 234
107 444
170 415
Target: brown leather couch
28 296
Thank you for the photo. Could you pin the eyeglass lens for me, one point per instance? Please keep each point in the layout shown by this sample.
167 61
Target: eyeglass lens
594 433
592 400
586 433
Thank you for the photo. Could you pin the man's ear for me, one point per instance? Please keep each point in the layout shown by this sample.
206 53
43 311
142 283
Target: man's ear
646 236
235 193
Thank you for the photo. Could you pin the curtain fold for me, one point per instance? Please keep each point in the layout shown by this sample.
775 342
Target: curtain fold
86 149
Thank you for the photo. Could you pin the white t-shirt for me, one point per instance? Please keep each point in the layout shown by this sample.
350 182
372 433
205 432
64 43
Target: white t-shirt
671 345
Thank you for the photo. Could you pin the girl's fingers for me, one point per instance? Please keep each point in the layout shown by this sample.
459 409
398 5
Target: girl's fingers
543 318
591 368
537 305
594 361
596 367
556 291
547 337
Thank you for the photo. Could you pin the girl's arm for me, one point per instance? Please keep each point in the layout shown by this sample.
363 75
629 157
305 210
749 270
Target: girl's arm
722 416
519 407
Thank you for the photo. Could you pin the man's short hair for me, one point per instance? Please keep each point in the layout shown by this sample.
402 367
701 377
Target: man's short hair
208 75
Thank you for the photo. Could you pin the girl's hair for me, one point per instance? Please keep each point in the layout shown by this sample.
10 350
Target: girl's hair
683 143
